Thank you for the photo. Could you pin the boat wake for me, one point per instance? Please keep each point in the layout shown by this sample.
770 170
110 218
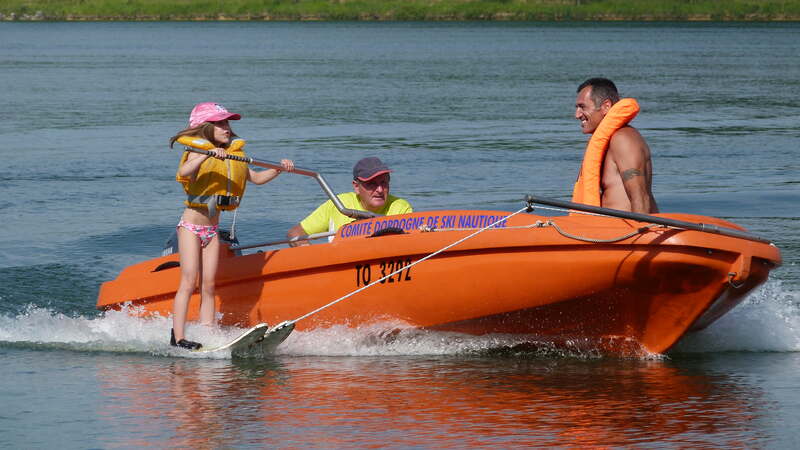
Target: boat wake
769 321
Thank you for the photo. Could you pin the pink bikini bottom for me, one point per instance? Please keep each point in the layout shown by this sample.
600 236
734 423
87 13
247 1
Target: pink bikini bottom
203 232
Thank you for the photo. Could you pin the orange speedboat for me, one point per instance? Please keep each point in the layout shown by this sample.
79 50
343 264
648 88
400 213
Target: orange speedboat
614 280
622 281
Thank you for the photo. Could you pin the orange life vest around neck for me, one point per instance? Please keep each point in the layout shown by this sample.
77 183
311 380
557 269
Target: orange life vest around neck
587 187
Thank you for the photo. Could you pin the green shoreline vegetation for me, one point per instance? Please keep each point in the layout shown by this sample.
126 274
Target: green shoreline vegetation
401 10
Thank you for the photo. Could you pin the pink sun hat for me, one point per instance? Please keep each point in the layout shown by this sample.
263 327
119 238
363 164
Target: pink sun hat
210 112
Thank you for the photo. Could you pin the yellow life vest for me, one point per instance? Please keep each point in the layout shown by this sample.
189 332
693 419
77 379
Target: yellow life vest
218 183
587 187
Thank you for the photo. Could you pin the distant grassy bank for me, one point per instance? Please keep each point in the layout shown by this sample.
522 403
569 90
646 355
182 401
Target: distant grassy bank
404 10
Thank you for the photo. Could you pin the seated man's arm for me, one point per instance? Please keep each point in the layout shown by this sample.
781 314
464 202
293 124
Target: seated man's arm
294 232
631 155
316 222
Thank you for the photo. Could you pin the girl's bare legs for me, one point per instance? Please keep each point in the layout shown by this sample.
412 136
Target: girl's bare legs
190 251
207 285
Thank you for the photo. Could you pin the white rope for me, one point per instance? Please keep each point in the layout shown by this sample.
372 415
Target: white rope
600 241
291 322
233 225
640 230
550 223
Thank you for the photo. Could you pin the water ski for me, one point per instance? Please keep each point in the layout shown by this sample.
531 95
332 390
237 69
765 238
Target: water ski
257 342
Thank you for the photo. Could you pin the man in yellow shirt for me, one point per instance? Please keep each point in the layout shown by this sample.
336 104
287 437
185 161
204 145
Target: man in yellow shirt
370 193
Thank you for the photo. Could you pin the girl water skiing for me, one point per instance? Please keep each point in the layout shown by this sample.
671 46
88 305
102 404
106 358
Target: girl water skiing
212 183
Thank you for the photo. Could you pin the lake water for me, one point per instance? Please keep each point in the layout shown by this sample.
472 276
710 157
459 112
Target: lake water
468 116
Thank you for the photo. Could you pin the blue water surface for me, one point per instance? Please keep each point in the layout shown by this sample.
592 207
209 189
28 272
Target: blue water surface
469 115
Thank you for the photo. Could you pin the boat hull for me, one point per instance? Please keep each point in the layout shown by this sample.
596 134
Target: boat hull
554 279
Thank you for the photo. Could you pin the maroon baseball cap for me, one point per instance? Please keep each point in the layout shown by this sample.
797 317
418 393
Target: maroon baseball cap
369 168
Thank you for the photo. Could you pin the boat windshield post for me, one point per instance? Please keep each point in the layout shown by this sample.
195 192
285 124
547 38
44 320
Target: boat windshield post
354 213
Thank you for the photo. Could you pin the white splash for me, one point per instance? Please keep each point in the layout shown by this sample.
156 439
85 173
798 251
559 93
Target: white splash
113 331
126 331
389 338
767 321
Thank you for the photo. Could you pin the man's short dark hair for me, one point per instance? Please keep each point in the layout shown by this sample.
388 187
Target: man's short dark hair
602 89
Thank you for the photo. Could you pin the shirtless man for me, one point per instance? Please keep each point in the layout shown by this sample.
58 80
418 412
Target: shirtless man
627 170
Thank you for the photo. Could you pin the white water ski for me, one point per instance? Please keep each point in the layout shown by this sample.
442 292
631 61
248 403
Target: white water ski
258 341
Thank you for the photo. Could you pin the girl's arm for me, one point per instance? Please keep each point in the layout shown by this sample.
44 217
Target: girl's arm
267 175
192 164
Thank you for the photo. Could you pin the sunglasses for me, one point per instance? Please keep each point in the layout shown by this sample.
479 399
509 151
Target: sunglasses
373 184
